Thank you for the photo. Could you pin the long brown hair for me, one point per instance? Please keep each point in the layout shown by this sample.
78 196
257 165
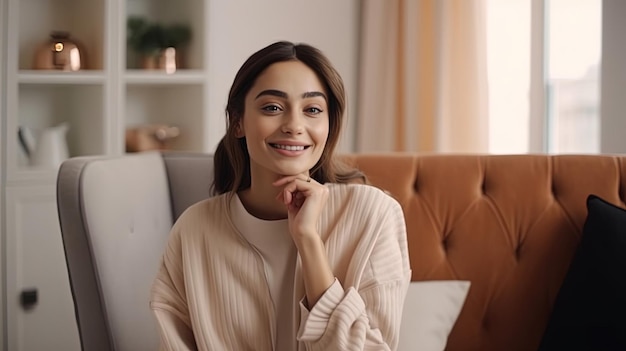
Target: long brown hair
232 161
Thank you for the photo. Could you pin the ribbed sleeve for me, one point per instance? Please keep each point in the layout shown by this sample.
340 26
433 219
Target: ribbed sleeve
367 319
169 302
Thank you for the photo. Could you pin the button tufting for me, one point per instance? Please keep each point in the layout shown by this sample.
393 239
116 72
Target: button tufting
518 251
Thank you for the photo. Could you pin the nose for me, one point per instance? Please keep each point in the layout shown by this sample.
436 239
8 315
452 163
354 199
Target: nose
293 123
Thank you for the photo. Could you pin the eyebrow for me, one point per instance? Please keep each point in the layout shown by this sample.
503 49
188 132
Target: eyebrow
282 94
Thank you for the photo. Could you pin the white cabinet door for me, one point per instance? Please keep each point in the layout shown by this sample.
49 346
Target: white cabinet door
36 265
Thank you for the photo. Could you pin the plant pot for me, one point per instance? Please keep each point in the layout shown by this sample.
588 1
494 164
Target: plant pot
168 59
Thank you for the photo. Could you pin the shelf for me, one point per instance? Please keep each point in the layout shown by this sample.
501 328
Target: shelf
60 77
139 76
83 20
98 104
174 105
186 12
42 106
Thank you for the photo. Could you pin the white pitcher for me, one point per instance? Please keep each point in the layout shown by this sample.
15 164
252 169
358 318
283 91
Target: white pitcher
51 147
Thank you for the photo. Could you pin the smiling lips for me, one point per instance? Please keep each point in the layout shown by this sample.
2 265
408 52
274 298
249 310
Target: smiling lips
289 149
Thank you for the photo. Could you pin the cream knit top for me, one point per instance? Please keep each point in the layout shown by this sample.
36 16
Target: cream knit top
279 254
212 292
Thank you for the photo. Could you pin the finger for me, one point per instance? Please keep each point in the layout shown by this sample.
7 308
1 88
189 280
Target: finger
299 199
295 186
288 179
287 196
296 189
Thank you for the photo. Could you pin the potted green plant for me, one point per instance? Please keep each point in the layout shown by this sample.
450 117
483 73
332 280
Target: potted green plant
156 43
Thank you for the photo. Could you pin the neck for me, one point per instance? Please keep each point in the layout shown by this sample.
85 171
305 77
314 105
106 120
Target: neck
260 199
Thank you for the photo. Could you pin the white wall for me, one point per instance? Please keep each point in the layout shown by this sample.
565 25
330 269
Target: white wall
613 77
238 28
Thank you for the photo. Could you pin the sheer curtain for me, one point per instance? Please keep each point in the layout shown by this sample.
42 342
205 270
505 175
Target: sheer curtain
423 76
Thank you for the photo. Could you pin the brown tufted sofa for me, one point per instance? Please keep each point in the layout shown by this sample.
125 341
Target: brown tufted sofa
509 224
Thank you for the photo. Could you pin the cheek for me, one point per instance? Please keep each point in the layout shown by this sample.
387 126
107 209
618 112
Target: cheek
254 128
322 132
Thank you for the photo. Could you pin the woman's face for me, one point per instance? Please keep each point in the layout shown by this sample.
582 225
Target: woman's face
285 121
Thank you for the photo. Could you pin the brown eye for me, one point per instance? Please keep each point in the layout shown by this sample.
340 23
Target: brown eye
314 110
271 108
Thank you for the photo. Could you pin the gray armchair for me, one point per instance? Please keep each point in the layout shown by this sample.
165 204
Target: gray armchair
115 215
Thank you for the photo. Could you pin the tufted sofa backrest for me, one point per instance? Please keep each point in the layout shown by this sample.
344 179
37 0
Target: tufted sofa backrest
509 224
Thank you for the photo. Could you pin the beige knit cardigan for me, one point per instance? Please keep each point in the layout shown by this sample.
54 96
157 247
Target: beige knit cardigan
210 292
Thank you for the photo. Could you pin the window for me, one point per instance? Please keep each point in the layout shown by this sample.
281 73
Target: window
543 72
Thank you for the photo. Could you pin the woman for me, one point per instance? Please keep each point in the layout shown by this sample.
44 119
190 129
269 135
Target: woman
295 252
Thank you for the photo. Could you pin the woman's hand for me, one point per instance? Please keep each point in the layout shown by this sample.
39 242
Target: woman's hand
304 198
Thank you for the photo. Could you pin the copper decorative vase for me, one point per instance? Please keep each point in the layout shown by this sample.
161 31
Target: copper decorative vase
60 52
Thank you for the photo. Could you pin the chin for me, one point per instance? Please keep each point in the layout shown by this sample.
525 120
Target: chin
294 170
291 172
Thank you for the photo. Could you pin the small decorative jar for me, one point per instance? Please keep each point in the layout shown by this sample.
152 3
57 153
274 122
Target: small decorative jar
60 53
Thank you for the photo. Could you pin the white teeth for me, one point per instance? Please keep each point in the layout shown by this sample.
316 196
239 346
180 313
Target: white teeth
288 147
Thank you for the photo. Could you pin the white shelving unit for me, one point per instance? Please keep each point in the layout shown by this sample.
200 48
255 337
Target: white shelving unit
98 103
3 6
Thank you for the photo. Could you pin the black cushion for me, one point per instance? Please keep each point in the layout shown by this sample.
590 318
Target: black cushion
590 309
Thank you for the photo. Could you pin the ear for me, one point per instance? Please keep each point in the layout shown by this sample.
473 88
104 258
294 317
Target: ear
239 133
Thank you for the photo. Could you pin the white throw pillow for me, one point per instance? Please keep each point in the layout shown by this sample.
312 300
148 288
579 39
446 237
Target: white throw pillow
430 311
